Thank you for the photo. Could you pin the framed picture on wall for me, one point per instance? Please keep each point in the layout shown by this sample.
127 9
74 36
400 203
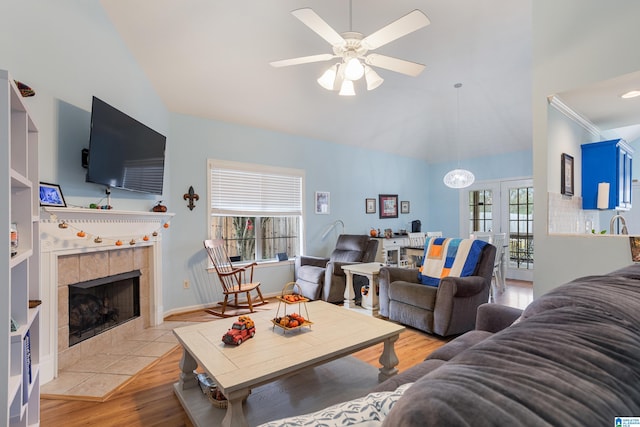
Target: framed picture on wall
370 206
322 202
388 205
404 207
566 175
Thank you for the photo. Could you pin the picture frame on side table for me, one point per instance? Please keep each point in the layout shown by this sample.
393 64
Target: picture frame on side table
388 205
404 207
370 206
322 202
566 175
51 195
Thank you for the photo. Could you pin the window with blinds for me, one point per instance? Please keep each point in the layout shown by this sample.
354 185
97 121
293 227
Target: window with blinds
256 209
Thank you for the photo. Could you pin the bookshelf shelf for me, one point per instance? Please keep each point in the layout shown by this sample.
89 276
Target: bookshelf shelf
21 272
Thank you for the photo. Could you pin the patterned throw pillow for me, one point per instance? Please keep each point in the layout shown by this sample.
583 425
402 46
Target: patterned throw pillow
368 411
449 257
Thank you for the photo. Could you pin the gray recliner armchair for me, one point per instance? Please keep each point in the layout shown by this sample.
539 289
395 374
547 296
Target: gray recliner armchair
448 309
323 278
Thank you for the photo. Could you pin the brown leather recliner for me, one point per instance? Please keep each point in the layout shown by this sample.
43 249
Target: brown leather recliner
448 309
323 278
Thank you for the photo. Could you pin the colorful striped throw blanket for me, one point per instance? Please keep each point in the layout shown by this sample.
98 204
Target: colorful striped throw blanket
449 257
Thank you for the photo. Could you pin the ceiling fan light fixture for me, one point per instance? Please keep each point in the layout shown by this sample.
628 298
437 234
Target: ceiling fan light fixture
372 78
328 79
346 89
630 94
354 69
458 178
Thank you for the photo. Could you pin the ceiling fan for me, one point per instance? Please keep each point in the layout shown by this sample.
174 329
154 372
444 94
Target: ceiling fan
352 48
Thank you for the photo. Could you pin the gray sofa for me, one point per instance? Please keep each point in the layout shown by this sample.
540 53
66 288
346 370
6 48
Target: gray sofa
449 309
571 358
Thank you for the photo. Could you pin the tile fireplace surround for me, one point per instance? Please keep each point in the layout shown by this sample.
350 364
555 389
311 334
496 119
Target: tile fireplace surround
67 258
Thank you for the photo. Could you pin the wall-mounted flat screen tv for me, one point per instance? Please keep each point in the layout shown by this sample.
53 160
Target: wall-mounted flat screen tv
124 153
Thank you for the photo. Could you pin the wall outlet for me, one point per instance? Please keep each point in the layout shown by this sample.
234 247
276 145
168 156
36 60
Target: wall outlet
186 284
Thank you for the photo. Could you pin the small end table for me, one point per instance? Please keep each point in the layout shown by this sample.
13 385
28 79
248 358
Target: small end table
370 270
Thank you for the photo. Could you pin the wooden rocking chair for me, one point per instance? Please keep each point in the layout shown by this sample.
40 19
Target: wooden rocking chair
232 279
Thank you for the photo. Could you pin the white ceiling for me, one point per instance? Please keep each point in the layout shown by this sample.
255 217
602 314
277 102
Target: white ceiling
211 59
602 105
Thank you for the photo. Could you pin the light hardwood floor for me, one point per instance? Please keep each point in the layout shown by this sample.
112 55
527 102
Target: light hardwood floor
148 399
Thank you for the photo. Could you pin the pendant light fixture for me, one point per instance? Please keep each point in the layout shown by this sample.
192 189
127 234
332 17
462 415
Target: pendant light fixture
458 178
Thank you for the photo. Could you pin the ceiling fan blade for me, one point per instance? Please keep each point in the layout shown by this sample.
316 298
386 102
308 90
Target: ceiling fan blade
317 24
302 60
394 64
401 27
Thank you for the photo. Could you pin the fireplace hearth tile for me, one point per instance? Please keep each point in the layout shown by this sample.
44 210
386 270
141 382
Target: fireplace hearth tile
66 382
95 363
168 337
99 385
110 369
130 365
149 334
155 349
126 347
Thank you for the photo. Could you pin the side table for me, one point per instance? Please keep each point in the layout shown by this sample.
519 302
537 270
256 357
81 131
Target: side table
370 270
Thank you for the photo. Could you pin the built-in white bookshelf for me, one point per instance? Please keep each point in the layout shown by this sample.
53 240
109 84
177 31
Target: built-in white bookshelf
20 269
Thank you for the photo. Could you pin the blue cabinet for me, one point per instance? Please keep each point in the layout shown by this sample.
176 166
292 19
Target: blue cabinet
607 161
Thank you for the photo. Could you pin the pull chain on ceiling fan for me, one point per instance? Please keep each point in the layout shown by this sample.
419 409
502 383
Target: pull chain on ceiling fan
352 48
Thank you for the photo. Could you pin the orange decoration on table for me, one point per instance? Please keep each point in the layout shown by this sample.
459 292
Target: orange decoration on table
166 225
119 243
145 238
81 233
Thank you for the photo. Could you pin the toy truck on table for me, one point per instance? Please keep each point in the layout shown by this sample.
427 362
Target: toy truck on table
242 329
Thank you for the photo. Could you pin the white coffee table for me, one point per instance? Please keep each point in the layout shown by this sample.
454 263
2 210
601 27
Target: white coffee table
370 270
272 354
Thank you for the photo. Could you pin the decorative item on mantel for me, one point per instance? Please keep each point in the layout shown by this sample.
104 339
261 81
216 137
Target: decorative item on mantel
62 224
159 207
191 195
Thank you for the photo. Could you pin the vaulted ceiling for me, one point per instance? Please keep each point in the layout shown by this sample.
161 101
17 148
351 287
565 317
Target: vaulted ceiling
211 59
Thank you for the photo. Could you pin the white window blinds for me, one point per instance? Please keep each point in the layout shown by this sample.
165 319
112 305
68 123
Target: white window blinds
248 190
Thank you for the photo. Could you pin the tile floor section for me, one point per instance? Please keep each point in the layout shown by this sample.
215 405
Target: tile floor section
99 375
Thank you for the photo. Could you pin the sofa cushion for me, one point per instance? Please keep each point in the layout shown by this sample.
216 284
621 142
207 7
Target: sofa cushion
459 344
612 294
409 375
564 366
414 294
449 257
311 274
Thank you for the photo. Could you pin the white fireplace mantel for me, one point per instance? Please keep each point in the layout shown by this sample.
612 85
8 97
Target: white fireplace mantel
67 231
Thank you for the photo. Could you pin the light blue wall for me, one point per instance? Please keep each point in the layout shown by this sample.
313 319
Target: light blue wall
444 210
349 174
68 51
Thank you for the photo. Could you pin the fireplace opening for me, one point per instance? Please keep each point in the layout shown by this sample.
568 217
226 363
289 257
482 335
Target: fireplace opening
101 304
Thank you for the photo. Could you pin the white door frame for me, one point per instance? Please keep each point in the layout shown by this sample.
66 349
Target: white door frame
500 213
